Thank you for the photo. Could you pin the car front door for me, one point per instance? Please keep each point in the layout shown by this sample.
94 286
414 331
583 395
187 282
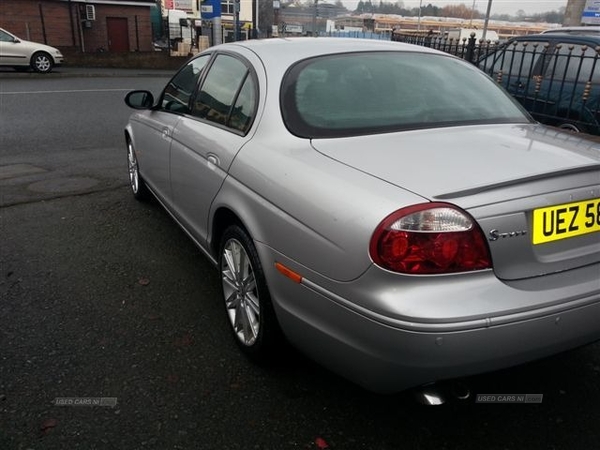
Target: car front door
10 54
206 142
153 144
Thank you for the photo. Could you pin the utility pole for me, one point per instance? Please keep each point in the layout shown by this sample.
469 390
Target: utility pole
276 6
314 19
574 12
487 20
236 20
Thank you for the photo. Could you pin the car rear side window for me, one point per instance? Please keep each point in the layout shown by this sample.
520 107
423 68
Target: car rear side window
518 59
375 92
227 95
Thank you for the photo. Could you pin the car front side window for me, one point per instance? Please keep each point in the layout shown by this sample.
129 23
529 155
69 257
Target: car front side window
5 37
520 59
176 96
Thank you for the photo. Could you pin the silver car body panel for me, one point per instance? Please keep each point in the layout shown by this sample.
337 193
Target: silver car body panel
152 134
478 168
386 355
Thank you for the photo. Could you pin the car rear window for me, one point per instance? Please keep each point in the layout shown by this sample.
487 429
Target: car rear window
365 93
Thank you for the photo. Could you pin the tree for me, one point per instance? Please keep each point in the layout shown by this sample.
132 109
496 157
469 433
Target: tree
460 11
429 10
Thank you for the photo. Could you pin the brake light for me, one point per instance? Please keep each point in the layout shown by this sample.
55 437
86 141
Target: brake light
429 238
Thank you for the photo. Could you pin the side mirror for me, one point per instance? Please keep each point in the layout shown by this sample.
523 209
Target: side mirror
139 99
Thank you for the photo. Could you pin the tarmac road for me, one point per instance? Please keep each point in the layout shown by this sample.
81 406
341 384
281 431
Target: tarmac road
104 300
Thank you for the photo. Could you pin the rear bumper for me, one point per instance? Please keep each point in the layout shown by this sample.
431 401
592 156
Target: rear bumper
384 359
387 355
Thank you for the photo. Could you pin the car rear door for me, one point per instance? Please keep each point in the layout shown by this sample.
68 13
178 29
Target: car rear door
570 84
206 141
517 65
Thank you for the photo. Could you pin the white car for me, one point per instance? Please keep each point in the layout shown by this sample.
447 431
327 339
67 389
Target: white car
22 54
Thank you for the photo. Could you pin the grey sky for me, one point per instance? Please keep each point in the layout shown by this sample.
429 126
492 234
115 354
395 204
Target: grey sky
498 6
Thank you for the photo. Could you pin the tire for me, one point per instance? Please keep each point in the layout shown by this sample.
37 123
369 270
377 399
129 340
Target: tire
136 182
42 62
246 296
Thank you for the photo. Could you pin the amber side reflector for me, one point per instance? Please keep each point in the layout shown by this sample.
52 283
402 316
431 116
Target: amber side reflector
295 277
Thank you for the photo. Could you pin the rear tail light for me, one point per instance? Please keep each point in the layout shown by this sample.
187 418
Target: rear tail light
430 238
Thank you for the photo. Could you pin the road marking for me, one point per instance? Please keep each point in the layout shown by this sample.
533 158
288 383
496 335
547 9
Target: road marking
72 91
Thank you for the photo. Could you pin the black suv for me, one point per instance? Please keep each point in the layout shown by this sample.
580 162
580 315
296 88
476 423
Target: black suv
556 77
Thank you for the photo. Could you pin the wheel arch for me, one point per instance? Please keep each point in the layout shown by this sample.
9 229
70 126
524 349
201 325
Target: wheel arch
223 218
581 117
128 135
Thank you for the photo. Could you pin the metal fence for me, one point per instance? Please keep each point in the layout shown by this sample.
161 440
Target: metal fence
556 79
469 49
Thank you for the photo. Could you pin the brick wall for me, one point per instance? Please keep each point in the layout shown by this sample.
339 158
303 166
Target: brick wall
131 60
31 20
48 21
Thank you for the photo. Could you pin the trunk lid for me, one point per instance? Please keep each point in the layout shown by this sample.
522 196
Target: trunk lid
533 190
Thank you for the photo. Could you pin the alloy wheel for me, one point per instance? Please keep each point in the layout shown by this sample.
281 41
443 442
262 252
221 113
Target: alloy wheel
134 177
240 292
42 63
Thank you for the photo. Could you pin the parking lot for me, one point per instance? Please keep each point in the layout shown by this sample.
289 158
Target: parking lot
105 298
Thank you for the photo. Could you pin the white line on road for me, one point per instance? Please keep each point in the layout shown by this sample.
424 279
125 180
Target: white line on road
73 91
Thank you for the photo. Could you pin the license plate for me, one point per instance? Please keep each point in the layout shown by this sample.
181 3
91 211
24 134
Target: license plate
566 221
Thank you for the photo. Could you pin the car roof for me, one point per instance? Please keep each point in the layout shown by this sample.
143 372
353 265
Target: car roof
555 37
286 51
579 31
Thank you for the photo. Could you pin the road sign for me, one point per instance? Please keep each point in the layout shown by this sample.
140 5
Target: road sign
209 9
591 13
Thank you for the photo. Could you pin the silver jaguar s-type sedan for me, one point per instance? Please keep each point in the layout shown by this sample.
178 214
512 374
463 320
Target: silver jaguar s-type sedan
387 208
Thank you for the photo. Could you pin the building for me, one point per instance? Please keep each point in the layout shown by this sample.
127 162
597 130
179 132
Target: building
252 14
80 25
118 26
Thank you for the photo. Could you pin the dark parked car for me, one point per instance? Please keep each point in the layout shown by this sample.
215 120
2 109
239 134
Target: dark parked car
556 77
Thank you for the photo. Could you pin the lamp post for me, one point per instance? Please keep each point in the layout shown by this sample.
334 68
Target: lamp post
314 18
419 19
236 20
487 19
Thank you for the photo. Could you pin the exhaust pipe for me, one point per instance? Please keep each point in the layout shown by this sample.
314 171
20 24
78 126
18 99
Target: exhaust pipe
460 390
435 394
429 395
